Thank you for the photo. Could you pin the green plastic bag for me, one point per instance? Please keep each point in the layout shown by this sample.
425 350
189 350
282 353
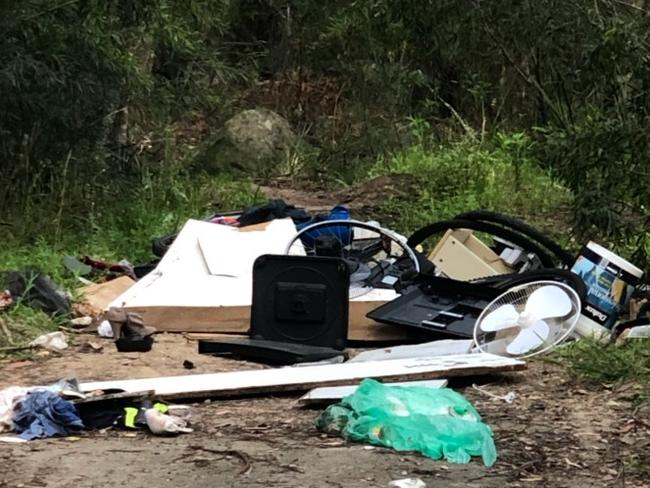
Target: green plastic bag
436 422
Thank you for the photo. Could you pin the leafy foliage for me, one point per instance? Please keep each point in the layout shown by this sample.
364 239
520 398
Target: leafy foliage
102 94
467 175
85 82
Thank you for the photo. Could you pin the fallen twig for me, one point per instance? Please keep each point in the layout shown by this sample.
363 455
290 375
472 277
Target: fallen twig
6 331
15 348
242 456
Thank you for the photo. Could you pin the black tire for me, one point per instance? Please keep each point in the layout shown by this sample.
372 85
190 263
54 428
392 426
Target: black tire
161 245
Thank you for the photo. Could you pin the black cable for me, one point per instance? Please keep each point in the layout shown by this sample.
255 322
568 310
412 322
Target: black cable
520 240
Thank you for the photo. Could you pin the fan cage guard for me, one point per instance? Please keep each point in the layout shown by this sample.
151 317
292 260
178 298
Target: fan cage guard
397 248
560 327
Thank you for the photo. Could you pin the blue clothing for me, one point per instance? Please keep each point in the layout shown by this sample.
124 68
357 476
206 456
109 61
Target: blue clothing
42 413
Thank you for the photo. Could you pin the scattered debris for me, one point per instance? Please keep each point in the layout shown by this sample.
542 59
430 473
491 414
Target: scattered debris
528 320
302 286
129 331
443 347
639 332
98 297
6 300
54 341
407 483
162 424
610 282
91 347
269 352
8 398
81 322
508 397
462 256
211 300
75 266
11 439
104 329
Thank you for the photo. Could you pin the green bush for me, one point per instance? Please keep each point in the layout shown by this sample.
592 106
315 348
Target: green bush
604 161
468 175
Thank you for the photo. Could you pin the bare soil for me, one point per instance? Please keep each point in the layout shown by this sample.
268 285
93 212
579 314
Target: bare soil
554 434
365 197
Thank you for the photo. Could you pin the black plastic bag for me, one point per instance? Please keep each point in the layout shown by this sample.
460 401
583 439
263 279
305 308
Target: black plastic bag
38 291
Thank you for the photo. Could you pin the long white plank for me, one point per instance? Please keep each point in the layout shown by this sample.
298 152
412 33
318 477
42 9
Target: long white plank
304 378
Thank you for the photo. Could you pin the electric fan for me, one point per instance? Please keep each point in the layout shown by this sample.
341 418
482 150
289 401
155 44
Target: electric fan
528 319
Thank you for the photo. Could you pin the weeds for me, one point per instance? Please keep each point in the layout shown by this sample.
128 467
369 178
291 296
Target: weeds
20 324
114 231
468 175
608 364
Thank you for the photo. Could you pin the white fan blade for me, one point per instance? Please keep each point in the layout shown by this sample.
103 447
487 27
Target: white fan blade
529 338
502 318
548 301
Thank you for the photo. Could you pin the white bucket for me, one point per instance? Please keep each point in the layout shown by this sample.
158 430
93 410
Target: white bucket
610 282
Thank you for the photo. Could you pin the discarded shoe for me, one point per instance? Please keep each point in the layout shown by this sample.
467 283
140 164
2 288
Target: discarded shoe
129 331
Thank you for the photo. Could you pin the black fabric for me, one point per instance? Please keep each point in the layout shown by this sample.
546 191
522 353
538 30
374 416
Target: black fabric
274 209
101 417
38 290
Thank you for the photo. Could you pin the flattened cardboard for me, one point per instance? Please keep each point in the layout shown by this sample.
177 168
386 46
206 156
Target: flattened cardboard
100 295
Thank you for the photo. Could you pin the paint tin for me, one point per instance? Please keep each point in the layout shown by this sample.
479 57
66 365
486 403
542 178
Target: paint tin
610 282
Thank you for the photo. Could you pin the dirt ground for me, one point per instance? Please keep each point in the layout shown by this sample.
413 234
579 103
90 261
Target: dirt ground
365 198
554 434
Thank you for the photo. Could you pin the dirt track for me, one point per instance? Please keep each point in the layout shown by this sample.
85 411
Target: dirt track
555 434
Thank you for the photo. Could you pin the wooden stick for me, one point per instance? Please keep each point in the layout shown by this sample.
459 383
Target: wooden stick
6 330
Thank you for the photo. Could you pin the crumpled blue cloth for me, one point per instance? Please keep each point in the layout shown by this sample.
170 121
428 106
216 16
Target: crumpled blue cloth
42 413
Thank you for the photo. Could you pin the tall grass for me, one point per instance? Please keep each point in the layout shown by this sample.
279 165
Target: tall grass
468 175
114 230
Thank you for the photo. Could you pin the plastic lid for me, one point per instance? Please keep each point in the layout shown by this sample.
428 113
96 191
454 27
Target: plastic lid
615 259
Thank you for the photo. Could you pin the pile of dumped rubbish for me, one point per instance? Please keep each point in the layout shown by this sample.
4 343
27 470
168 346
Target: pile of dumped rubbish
476 294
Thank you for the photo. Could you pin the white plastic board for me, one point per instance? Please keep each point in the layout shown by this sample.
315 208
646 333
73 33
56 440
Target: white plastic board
305 378
334 393
444 347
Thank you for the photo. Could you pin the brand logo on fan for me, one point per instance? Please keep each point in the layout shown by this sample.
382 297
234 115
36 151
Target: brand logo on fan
596 313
